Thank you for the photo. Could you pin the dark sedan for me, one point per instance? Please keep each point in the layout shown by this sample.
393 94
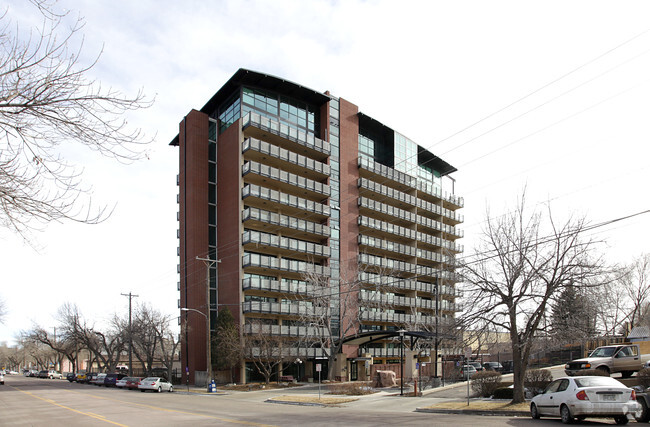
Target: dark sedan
111 379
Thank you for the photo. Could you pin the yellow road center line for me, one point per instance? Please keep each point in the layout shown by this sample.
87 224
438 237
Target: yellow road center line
51 402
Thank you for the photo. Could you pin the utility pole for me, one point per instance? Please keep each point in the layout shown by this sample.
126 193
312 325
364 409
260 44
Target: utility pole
131 296
208 265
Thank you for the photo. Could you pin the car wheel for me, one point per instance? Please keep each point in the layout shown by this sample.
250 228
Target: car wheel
626 374
643 416
534 412
159 389
143 390
565 413
171 389
581 418
604 369
621 420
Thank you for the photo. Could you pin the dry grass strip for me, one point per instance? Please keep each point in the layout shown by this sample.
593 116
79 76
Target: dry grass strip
482 405
308 398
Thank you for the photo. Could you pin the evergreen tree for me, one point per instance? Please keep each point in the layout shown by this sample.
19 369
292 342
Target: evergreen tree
572 316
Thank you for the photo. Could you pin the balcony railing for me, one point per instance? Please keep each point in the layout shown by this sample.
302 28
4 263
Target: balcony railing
252 190
291 265
279 286
285 309
295 245
387 172
285 155
286 132
255 214
285 330
387 245
285 177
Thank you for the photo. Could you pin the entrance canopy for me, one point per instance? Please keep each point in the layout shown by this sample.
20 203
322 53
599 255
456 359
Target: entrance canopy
368 337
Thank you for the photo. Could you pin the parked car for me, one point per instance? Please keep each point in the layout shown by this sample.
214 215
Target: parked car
111 379
624 358
580 397
121 382
467 371
91 377
476 365
42 374
133 382
81 377
155 384
99 379
2 379
493 366
71 376
508 367
54 375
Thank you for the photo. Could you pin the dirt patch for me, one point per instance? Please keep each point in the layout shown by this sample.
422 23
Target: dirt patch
308 398
482 405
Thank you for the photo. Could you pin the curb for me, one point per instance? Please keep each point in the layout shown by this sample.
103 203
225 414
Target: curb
288 402
475 412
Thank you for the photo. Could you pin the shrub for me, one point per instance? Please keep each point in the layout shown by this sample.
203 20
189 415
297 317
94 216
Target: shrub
592 373
644 377
484 383
503 393
536 380
357 388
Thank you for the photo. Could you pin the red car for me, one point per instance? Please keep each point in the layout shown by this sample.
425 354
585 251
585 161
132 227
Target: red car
133 382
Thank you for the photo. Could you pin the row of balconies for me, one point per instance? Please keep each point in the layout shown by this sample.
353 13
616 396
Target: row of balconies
289 309
283 264
410 181
297 287
405 319
290 352
252 190
285 177
397 265
273 240
285 330
407 199
407 233
380 299
255 214
410 284
402 249
387 352
285 155
393 211
284 131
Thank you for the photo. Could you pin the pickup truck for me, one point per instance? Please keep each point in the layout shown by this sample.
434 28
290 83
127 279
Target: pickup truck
623 358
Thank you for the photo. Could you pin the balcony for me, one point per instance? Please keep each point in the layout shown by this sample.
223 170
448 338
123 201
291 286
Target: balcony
387 246
263 152
293 183
295 309
277 286
264 263
253 240
394 197
285 136
255 195
433 192
291 352
377 171
377 228
287 331
291 227
386 212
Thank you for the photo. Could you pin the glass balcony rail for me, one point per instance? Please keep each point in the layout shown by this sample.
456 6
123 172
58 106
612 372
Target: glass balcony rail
286 177
285 330
386 227
290 352
285 155
280 129
399 266
437 241
379 299
386 209
259 237
438 226
386 245
252 190
280 286
294 266
390 282
387 172
386 191
295 309
255 214
435 191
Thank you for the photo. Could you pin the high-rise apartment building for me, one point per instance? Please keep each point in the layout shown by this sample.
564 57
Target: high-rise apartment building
276 180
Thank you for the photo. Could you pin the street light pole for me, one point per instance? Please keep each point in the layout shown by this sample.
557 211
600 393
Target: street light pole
208 350
401 360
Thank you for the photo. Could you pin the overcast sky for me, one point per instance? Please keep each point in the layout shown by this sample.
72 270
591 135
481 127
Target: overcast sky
552 95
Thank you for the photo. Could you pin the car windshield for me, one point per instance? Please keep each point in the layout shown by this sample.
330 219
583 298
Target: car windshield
598 382
603 352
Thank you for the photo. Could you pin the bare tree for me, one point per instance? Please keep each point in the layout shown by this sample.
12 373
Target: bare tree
47 100
516 271
636 282
267 351
227 343
64 346
169 345
612 305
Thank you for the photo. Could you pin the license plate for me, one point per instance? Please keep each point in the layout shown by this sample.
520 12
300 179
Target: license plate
609 397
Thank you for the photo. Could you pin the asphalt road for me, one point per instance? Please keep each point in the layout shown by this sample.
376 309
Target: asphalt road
41 402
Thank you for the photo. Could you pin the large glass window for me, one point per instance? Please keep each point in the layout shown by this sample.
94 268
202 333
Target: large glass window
229 113
295 113
366 146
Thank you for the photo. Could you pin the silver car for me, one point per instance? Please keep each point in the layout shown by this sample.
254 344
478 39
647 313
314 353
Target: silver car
155 384
576 398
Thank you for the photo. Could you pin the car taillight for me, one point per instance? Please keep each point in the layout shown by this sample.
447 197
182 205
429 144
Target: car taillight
582 395
633 395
